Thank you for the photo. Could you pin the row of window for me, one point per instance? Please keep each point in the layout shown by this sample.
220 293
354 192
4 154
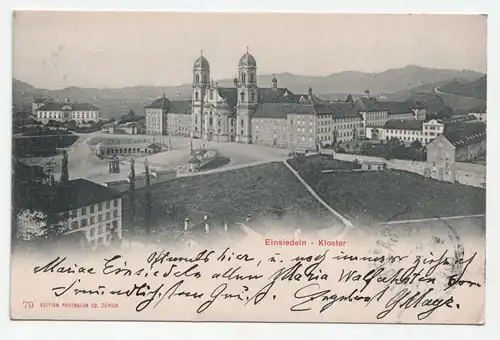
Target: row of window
126 150
411 139
91 209
412 132
274 128
92 114
84 222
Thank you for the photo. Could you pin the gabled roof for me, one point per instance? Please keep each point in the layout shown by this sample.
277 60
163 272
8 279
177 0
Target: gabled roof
160 103
276 95
180 107
229 94
463 134
458 119
281 110
336 109
396 107
75 194
368 105
72 106
81 192
403 124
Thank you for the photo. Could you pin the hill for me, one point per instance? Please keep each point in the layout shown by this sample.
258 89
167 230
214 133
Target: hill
115 102
473 89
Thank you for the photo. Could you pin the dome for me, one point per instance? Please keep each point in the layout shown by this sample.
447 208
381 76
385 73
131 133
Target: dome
201 62
248 60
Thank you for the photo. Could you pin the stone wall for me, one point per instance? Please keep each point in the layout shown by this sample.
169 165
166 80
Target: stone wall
466 173
140 180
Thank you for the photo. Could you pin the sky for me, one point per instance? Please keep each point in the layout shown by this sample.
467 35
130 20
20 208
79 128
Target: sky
54 50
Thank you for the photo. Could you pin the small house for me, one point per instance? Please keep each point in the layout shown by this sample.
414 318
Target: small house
373 165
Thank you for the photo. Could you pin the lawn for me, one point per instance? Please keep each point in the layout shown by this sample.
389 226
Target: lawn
367 197
267 191
317 163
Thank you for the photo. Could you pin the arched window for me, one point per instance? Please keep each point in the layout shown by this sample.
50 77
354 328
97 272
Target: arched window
243 77
196 95
242 94
197 78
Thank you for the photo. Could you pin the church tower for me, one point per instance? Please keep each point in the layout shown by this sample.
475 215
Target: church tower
201 81
274 82
247 97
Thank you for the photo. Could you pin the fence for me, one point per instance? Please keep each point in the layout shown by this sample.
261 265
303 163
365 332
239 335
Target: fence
140 180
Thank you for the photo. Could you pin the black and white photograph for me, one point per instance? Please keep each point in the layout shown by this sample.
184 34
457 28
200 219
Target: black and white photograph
183 166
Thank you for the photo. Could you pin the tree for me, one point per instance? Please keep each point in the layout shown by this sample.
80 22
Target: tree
335 137
49 169
71 125
46 210
129 117
366 147
349 98
147 199
64 169
431 116
416 144
131 191
394 148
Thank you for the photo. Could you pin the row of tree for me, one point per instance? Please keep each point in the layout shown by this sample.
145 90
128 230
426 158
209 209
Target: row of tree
395 148
40 196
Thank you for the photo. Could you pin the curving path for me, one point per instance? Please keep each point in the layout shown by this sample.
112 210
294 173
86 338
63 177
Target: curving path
348 224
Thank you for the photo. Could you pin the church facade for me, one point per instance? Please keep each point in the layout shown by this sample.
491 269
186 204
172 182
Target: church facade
224 114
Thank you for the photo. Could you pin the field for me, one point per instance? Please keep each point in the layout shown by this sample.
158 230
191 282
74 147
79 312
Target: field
265 192
375 197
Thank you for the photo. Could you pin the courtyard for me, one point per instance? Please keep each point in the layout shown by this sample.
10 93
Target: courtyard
83 162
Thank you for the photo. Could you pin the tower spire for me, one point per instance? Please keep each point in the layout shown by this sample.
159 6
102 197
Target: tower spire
247 49
201 52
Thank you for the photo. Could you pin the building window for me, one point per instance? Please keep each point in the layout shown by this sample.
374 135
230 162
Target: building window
92 219
99 218
115 213
92 209
115 203
84 211
108 204
92 232
83 222
74 213
74 225
108 215
99 207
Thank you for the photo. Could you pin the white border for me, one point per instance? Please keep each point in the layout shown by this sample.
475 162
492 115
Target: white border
181 331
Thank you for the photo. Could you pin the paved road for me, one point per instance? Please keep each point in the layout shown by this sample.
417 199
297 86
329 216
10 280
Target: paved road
228 168
436 89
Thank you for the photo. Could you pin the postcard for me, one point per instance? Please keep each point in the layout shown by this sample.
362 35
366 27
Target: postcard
249 167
